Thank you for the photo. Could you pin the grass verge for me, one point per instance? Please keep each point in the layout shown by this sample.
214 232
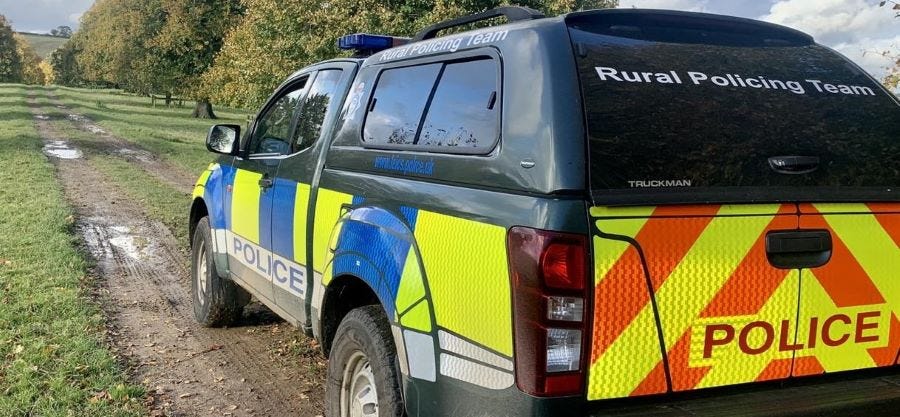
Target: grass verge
53 361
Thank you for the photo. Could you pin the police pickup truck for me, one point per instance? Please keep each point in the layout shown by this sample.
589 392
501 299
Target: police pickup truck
556 216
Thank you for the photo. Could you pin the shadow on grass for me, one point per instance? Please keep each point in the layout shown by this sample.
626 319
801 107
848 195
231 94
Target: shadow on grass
15 115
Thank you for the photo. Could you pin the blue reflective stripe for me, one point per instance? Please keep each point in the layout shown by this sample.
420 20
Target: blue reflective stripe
285 192
371 249
410 214
228 173
265 218
358 199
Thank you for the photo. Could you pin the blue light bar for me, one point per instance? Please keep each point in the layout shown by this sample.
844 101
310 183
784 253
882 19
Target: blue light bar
368 42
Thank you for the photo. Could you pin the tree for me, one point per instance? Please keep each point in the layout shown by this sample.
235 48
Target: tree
10 62
273 33
65 66
154 46
62 32
31 62
187 43
113 44
47 69
892 79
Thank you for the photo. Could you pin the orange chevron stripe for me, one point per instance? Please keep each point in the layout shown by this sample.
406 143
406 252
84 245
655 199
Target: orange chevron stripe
890 223
755 280
684 377
622 294
777 369
845 281
885 356
884 207
807 365
617 300
665 242
654 383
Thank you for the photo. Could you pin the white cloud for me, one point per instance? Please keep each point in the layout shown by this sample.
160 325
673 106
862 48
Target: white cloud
857 28
835 21
75 17
684 5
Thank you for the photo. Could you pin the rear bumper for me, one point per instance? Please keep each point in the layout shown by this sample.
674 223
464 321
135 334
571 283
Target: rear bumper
869 393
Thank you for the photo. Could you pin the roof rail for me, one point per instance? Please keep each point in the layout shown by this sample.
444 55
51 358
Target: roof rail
512 13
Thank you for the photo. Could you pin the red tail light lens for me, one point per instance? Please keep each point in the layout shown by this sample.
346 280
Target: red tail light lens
550 301
562 264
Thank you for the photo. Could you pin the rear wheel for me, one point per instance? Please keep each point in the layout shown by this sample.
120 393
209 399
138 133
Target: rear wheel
217 302
363 380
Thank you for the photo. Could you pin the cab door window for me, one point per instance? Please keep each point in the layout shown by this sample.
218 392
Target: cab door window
273 130
314 108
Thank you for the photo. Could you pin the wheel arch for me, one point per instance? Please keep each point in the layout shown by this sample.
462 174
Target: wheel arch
372 259
344 294
199 210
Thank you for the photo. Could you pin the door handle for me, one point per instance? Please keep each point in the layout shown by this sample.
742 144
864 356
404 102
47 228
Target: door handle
266 182
795 249
794 165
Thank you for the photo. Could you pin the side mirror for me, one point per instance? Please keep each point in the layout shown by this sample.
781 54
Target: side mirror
223 139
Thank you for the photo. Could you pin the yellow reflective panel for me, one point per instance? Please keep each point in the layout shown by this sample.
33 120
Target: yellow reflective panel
328 211
411 288
301 207
245 205
200 186
466 268
418 318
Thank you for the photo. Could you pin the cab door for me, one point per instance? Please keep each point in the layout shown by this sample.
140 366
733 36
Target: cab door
849 306
294 183
252 195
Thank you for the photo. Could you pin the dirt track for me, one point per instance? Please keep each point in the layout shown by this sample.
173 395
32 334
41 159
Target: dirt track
142 284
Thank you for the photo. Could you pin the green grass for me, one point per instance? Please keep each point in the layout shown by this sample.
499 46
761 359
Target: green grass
168 132
53 361
43 45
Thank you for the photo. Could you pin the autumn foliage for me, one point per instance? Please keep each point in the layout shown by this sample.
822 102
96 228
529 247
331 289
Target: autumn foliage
235 52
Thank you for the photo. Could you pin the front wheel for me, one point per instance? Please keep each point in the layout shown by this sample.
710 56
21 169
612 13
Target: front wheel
362 368
217 302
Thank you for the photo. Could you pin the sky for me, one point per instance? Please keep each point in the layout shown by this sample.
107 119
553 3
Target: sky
857 28
42 15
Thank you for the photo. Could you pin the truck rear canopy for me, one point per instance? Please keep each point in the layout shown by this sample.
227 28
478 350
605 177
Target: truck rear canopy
684 108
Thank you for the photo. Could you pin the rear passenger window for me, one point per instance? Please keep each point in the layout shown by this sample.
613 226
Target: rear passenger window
447 107
396 110
463 112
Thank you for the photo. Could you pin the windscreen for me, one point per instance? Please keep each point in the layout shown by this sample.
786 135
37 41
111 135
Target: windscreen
687 108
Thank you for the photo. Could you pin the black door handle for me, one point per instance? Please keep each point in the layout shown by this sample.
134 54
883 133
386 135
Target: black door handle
794 165
795 249
266 182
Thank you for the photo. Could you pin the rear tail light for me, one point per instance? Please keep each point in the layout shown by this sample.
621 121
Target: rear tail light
550 298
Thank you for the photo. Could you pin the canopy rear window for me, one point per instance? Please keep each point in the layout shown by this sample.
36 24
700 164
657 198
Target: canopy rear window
693 108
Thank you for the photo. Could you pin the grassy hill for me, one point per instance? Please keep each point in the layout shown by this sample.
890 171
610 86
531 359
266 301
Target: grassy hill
44 45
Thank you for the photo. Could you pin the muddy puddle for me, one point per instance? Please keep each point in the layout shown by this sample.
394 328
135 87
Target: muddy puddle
61 149
103 238
86 123
138 154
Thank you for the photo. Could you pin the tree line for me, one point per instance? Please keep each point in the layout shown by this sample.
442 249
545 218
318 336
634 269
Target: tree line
235 52
19 63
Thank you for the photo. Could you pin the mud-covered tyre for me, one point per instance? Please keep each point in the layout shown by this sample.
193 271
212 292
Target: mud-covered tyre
217 302
363 376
